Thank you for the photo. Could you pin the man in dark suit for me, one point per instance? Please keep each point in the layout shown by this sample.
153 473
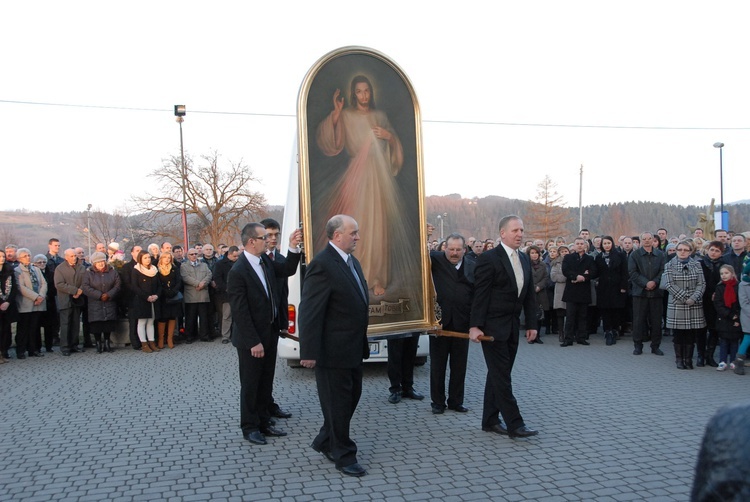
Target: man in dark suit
579 270
502 288
273 229
453 276
255 332
333 322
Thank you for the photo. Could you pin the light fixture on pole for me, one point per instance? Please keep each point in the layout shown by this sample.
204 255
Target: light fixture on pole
88 226
179 112
440 219
723 217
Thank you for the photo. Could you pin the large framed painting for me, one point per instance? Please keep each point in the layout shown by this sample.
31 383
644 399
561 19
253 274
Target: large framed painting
360 154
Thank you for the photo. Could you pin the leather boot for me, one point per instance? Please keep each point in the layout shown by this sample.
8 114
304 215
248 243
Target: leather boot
739 364
688 351
161 341
108 343
99 347
678 357
170 340
145 348
152 345
710 349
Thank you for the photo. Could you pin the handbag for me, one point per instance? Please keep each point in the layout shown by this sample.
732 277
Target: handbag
175 299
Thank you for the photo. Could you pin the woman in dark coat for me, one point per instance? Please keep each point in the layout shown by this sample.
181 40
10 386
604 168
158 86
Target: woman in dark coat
612 287
147 289
101 285
540 276
170 308
8 290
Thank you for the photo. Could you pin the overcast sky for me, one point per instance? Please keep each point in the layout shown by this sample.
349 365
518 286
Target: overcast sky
636 91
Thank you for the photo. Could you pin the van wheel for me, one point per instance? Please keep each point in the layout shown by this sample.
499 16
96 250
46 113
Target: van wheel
420 361
293 363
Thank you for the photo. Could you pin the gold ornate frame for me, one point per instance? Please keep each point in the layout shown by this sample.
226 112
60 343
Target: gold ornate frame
409 307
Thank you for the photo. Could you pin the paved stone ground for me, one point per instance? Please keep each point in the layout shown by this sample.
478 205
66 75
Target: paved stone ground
133 426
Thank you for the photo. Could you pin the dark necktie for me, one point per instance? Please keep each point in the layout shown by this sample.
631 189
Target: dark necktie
350 262
270 289
271 256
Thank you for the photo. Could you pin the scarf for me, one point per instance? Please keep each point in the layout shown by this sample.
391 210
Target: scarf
165 270
535 264
148 272
730 293
34 278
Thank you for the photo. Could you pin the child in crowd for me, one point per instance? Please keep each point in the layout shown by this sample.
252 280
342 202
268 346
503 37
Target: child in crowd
744 299
727 306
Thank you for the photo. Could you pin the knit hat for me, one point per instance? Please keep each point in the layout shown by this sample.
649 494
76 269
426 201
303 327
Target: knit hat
114 245
98 256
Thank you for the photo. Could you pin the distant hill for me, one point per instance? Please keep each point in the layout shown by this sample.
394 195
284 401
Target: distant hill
476 217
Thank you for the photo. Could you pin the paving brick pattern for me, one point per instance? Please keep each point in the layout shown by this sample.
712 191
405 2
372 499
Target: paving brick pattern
132 426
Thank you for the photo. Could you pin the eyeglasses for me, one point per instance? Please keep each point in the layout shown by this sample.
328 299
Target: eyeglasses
40 262
261 238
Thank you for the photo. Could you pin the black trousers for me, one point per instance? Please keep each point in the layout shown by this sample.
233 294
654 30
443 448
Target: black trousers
647 316
70 327
339 390
498 388
402 352
196 320
575 321
135 342
256 383
442 348
28 325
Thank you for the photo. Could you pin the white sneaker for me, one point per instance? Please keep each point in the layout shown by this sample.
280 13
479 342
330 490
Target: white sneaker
722 366
731 366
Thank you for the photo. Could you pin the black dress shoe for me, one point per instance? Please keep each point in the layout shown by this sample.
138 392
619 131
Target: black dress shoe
460 408
657 351
522 432
637 351
394 398
255 437
272 431
353 470
36 354
49 349
188 341
437 409
566 343
583 342
20 356
412 394
224 342
538 339
326 453
497 429
65 352
279 413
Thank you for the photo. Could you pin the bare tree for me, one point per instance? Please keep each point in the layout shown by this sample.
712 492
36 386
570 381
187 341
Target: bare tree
547 218
218 199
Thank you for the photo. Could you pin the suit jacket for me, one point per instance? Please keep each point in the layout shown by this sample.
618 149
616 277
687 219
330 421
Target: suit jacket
68 281
496 302
191 277
333 314
289 264
574 265
253 318
455 290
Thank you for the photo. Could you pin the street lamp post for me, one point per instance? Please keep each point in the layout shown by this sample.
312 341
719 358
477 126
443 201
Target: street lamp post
720 146
179 112
88 227
440 219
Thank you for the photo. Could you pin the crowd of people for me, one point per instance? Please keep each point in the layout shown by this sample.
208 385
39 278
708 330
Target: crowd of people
688 287
164 294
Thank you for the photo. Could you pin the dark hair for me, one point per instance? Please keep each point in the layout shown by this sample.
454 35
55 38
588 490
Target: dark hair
232 249
270 223
54 239
533 248
610 239
175 248
141 255
353 96
249 232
